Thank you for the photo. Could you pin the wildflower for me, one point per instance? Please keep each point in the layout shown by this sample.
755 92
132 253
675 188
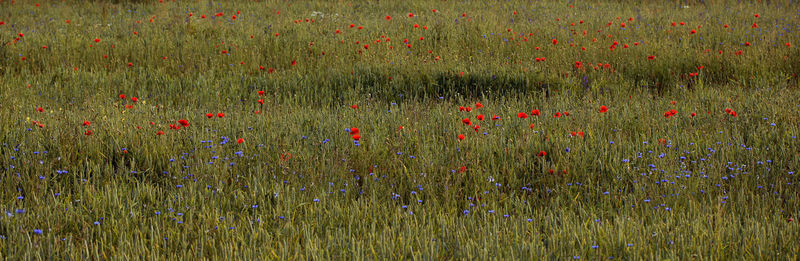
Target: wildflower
461 136
184 123
240 141
603 109
522 115
88 132
86 123
210 115
220 115
354 131
542 153
480 117
466 121
535 112
357 137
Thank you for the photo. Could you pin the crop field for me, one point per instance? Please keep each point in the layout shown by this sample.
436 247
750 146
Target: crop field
374 130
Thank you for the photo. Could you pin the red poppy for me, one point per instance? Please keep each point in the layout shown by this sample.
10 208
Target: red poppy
572 133
461 136
535 112
555 41
532 125
354 106
220 115
240 141
462 108
542 153
96 40
210 115
159 133
756 15
260 93
410 15
479 117
693 114
87 132
551 171
294 62
580 133
134 99
693 32
184 123
478 105
755 25
40 109
354 131
603 109
356 137
122 96
86 123
522 115
558 115
651 57
466 121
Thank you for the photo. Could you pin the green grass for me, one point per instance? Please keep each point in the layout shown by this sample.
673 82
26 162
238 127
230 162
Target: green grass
636 185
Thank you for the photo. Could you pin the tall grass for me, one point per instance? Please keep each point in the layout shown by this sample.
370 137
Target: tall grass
629 183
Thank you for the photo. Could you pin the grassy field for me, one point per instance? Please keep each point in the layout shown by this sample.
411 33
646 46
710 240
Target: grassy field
400 130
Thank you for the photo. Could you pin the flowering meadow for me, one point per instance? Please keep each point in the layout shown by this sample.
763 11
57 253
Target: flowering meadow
414 129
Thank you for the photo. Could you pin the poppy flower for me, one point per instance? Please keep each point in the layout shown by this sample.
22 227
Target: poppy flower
788 44
462 108
461 136
96 40
755 25
220 115
542 153
184 123
356 137
532 125
87 132
651 57
40 109
522 115
293 63
410 15
603 109
478 105
572 133
693 32
580 133
756 15
354 106
551 171
479 117
159 133
260 93
555 41
693 114
210 115
354 131
240 141
558 115
466 121
122 96
86 123
134 99
535 112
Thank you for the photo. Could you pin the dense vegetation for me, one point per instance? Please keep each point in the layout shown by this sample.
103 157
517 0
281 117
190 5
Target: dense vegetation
399 129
